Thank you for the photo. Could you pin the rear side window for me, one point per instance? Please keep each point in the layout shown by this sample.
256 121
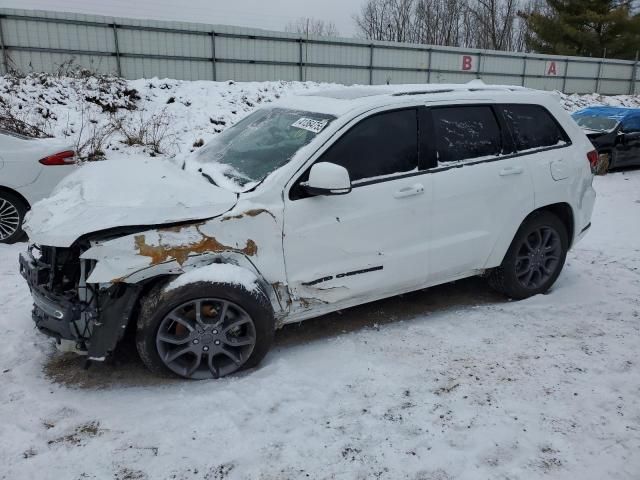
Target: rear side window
383 144
533 127
631 124
465 133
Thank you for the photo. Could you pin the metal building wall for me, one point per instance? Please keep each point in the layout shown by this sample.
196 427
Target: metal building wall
41 41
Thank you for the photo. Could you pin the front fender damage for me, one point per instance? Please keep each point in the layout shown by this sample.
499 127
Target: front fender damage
167 251
122 268
117 305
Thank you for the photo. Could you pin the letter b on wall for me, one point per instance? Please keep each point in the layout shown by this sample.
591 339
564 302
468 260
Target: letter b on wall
466 63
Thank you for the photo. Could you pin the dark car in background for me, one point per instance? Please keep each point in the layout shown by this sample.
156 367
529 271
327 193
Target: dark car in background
614 132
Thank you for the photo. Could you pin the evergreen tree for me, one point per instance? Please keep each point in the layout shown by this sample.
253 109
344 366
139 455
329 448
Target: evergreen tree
585 28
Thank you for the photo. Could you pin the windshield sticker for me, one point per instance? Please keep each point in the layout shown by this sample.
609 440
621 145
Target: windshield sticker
310 124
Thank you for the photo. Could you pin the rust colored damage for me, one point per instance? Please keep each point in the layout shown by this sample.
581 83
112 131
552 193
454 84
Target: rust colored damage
162 253
308 302
249 213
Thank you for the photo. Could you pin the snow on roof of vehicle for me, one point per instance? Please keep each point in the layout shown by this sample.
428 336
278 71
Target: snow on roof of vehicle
616 113
340 100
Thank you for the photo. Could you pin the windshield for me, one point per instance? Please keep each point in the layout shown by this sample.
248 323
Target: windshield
601 124
244 154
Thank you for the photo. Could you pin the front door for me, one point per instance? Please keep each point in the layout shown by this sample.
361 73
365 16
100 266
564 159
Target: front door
371 242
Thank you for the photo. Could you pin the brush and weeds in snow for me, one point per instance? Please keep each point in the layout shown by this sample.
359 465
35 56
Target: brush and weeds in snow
17 120
151 131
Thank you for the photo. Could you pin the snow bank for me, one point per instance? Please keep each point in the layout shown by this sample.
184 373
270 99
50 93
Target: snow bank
186 114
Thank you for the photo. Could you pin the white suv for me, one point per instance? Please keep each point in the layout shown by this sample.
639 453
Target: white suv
311 205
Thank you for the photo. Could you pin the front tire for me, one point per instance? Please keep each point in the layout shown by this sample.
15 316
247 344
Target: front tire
12 211
534 259
204 330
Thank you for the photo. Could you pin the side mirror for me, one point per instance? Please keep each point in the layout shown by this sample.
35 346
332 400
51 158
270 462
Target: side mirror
328 179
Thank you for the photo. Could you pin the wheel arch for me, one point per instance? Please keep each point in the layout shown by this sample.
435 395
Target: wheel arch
16 194
562 210
158 278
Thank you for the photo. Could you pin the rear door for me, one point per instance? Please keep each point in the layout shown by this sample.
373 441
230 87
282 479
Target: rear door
481 190
545 148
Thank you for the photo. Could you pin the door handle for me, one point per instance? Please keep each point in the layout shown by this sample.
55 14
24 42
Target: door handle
415 189
511 171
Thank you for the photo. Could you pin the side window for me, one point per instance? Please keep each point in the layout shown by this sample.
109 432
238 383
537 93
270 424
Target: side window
465 133
533 126
382 144
631 125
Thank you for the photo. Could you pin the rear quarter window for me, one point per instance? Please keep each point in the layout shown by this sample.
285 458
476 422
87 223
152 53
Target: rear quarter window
533 127
631 124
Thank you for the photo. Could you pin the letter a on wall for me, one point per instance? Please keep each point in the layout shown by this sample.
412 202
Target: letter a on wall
551 69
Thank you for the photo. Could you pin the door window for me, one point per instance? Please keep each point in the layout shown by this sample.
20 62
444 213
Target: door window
383 144
465 133
533 126
631 124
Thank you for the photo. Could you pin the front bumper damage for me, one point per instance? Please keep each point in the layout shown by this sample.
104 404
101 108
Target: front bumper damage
92 317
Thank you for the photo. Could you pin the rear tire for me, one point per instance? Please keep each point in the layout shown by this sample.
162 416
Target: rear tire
535 258
12 211
233 330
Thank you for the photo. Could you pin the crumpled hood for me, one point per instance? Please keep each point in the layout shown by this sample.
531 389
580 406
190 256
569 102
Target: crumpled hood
121 193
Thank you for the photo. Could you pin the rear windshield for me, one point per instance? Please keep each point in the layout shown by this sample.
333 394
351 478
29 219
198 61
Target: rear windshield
600 124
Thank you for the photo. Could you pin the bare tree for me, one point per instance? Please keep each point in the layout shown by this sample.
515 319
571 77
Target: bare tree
312 26
372 20
491 24
439 22
495 21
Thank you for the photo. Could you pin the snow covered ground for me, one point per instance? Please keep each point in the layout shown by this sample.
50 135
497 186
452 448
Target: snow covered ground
453 382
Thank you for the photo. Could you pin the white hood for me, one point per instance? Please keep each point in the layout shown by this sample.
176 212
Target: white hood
120 193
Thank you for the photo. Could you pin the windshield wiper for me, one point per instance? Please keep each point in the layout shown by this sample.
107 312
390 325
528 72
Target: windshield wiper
208 177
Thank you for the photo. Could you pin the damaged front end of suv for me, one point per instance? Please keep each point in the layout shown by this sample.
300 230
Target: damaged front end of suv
82 317
191 257
88 283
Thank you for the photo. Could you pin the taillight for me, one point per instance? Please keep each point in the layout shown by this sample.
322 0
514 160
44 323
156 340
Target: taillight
62 158
593 158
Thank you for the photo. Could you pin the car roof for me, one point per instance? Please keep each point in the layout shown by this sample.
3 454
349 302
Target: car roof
341 99
616 113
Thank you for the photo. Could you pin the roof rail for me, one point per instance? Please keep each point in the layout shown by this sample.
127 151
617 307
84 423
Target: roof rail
423 92
463 88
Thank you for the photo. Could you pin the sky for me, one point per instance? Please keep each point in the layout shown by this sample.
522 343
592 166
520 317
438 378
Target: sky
267 14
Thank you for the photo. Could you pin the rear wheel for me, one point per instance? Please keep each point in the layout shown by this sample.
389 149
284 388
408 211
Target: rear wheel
204 330
12 211
534 259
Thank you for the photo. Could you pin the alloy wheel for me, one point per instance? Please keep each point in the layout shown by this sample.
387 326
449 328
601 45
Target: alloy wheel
9 219
538 257
206 338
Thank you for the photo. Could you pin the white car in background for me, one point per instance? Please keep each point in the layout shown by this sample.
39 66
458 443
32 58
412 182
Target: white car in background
29 169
